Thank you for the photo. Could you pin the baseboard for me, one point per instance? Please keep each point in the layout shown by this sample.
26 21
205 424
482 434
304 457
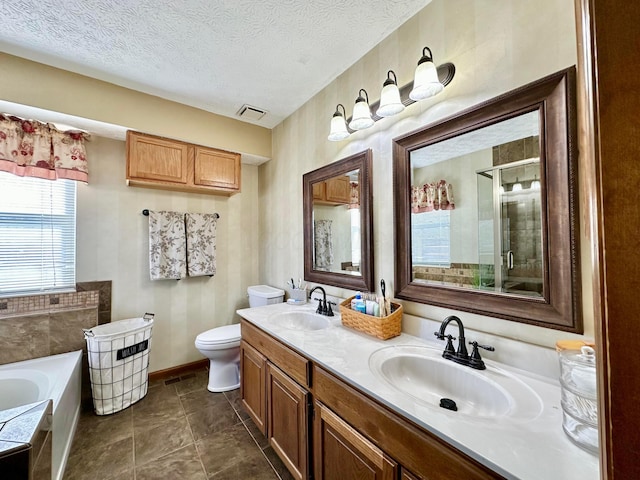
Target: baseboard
177 371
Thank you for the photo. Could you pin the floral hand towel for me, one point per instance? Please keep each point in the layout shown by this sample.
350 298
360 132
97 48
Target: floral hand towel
167 246
323 244
201 243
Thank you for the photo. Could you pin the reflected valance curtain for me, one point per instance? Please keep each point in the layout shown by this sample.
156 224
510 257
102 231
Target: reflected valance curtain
432 196
354 195
29 148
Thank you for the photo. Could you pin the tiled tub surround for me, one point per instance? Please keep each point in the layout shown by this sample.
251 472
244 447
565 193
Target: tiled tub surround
525 450
57 378
25 442
458 274
104 289
41 325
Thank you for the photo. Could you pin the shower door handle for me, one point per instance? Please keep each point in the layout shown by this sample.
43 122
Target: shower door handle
510 260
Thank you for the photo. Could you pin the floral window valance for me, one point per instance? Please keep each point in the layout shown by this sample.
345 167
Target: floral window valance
29 148
432 196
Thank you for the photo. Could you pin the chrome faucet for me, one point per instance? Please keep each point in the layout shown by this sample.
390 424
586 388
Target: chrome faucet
461 355
324 307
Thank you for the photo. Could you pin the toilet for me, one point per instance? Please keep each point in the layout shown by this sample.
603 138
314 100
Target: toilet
221 345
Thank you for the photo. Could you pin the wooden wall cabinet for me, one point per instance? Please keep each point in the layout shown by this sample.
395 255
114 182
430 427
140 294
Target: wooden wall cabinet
156 162
335 191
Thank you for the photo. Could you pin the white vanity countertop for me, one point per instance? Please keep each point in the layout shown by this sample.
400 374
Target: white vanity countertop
518 449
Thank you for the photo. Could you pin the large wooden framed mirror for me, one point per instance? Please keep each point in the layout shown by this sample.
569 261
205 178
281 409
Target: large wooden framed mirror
486 205
338 223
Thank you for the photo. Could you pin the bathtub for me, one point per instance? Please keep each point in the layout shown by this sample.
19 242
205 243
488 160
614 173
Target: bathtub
56 377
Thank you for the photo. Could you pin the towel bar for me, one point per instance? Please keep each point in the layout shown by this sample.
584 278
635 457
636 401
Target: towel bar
145 212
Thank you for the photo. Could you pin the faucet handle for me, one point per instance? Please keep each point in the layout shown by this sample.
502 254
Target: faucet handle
320 308
329 311
476 345
475 361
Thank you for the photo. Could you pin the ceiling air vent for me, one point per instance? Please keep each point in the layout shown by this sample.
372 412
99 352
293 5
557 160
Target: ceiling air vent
248 112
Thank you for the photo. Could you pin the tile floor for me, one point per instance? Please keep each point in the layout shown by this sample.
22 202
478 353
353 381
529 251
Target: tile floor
180 430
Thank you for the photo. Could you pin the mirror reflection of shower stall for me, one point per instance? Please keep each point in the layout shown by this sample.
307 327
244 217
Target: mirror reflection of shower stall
509 228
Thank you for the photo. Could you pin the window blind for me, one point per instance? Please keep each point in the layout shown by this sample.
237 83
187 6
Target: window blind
431 238
37 234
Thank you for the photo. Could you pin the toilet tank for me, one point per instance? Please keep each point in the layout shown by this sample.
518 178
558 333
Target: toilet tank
260 295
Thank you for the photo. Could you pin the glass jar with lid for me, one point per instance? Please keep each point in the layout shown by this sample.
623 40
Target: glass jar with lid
579 396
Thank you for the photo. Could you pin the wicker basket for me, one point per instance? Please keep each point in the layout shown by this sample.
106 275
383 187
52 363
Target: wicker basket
381 327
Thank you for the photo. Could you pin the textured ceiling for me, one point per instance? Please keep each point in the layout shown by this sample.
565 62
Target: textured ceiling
216 55
516 128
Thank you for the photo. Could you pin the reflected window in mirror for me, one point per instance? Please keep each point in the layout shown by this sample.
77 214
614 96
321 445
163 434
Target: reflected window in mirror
485 208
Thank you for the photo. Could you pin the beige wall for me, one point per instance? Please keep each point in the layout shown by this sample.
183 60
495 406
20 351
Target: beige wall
112 244
29 83
495 45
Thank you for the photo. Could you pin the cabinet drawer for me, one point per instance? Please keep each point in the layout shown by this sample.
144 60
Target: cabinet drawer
290 362
418 450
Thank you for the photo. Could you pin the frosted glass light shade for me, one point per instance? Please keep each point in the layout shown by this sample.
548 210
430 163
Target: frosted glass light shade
390 103
426 83
535 185
338 129
361 115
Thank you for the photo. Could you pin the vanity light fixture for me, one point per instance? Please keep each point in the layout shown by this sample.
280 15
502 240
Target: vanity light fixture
390 103
426 82
338 125
535 184
361 112
516 186
429 80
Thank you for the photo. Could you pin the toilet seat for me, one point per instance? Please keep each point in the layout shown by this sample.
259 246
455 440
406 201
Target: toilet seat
220 337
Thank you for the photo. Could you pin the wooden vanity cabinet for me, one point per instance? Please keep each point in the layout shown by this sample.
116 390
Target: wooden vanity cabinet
252 385
407 475
335 191
343 453
274 380
288 421
162 163
427 456
352 436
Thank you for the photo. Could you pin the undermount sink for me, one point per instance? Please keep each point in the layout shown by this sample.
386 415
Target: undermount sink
423 374
300 321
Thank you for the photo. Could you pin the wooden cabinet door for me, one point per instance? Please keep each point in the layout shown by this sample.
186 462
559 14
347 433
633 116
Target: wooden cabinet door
154 158
252 384
340 452
216 168
318 190
337 190
407 475
288 417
